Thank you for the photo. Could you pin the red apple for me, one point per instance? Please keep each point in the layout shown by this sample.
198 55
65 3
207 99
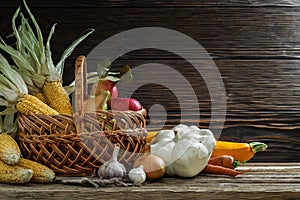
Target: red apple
122 104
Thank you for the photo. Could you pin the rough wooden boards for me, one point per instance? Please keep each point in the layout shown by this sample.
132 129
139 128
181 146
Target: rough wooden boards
264 181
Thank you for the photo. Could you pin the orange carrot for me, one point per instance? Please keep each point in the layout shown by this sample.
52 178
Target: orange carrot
215 169
224 161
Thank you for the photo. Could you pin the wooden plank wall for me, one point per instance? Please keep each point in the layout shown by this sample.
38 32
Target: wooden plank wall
255 45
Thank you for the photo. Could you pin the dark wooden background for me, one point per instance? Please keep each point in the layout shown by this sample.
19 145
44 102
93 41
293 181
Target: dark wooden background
255 45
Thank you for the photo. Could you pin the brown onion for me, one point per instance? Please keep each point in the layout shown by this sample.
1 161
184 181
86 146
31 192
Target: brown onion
154 166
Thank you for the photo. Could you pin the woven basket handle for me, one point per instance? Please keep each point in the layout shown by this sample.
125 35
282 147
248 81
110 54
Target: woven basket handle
80 92
80 83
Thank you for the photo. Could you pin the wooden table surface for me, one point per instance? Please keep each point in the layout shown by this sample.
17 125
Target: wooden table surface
264 181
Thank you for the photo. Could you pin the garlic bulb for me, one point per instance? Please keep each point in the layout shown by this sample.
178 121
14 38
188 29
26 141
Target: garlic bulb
137 175
112 168
154 166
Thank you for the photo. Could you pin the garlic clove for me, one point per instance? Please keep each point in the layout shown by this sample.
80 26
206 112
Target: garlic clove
112 168
137 175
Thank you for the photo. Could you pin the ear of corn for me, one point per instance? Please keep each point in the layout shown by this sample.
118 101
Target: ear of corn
57 97
28 104
33 60
41 97
14 93
14 174
9 150
41 173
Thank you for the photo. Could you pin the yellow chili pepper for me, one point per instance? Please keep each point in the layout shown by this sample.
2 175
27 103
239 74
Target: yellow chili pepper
241 152
150 135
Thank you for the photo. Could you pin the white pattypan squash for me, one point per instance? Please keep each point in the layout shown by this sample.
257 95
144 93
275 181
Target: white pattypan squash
185 149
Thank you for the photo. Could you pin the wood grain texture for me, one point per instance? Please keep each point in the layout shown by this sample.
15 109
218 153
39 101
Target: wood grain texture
264 181
156 3
255 45
233 32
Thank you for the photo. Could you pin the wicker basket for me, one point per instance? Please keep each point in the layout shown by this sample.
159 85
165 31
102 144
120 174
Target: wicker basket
78 145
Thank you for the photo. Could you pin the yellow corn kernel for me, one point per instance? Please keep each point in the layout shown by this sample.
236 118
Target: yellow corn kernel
14 173
41 173
9 150
57 97
41 97
29 104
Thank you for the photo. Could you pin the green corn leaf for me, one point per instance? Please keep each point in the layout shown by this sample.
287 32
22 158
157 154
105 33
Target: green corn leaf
10 124
7 73
22 49
16 56
90 74
112 78
33 84
19 45
32 79
1 125
33 90
39 80
19 82
29 44
125 70
114 73
48 49
4 65
69 89
30 53
127 77
92 77
13 78
51 70
7 93
8 111
3 102
31 37
92 80
68 51
8 83
24 73
39 33
15 29
103 68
